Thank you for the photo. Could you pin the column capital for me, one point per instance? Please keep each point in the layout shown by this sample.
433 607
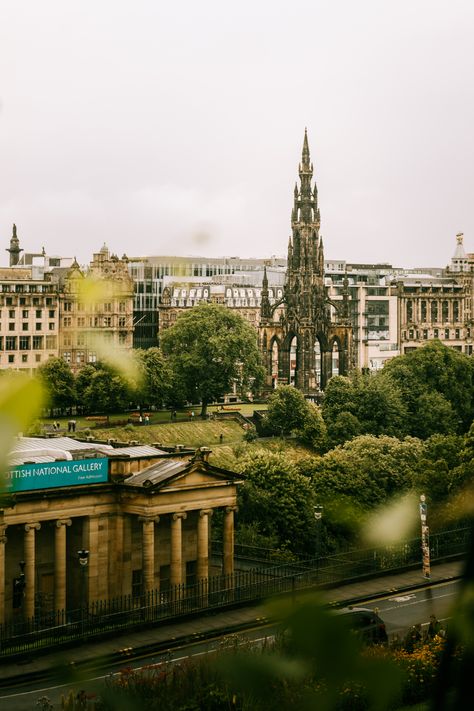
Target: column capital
179 515
231 509
63 522
206 512
149 519
30 526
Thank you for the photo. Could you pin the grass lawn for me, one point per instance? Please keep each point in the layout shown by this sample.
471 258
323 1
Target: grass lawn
200 433
227 456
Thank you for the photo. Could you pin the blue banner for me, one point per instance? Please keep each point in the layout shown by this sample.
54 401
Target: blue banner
46 475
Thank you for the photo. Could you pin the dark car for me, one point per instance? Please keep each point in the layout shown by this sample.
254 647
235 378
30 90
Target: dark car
366 623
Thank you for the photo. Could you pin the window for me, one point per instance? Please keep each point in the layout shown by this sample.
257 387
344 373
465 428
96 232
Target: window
123 339
24 326
107 321
67 306
434 311
11 326
137 582
456 310
411 334
92 357
8 301
425 334
409 310
51 326
39 326
51 313
81 322
11 313
457 333
24 313
22 301
24 358
108 308
11 358
81 339
36 301
423 310
445 311
25 343
37 357
446 333
51 342
1 343
39 313
122 306
435 333
67 340
10 343
49 301
121 322
80 357
19 288
67 356
37 343
67 321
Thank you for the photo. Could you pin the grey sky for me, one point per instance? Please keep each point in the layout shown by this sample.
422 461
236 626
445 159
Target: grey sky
177 127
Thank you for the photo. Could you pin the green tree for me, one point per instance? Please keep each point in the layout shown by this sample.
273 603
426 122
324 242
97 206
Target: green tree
155 377
287 411
101 389
435 368
210 347
278 500
58 381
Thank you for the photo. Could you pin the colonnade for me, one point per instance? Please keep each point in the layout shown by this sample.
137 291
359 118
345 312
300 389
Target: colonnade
91 541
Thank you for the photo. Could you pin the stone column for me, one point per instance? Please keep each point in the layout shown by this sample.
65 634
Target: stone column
60 563
91 543
176 572
148 548
30 578
202 571
228 561
3 540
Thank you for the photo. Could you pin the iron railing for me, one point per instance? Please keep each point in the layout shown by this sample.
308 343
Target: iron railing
127 612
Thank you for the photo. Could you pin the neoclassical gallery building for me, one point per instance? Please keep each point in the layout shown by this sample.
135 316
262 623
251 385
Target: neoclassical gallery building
140 516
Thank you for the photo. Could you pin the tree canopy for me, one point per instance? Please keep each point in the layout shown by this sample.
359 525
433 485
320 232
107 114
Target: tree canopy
211 347
59 384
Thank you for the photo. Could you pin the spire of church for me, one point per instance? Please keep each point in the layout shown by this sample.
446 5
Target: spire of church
265 307
14 249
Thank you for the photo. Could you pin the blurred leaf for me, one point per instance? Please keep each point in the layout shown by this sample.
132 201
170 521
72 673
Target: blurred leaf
392 522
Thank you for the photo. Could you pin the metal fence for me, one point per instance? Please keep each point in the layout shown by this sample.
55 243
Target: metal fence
127 612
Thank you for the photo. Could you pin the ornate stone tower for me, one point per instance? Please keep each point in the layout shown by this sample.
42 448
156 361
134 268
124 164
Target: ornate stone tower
14 249
311 339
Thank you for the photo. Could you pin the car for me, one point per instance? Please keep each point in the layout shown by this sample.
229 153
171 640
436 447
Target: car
365 623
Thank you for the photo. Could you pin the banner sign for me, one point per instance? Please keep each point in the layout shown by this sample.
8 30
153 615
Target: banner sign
47 475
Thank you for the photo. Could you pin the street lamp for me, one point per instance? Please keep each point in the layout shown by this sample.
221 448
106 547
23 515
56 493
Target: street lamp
425 538
318 515
83 556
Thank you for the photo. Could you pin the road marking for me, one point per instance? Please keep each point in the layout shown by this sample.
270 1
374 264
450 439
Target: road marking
402 598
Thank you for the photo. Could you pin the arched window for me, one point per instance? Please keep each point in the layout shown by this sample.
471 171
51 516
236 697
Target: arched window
293 360
317 362
275 357
335 359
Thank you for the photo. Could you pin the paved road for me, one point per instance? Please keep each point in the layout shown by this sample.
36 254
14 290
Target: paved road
398 611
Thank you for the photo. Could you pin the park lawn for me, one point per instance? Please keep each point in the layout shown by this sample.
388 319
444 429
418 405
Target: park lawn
200 433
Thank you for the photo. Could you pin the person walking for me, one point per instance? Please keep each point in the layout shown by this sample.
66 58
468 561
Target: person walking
434 628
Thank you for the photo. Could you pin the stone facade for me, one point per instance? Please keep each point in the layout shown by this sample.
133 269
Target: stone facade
148 530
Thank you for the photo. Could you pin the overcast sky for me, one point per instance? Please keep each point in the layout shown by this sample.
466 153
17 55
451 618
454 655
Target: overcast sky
176 128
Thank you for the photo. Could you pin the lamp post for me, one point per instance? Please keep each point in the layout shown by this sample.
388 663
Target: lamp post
83 556
425 538
318 515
